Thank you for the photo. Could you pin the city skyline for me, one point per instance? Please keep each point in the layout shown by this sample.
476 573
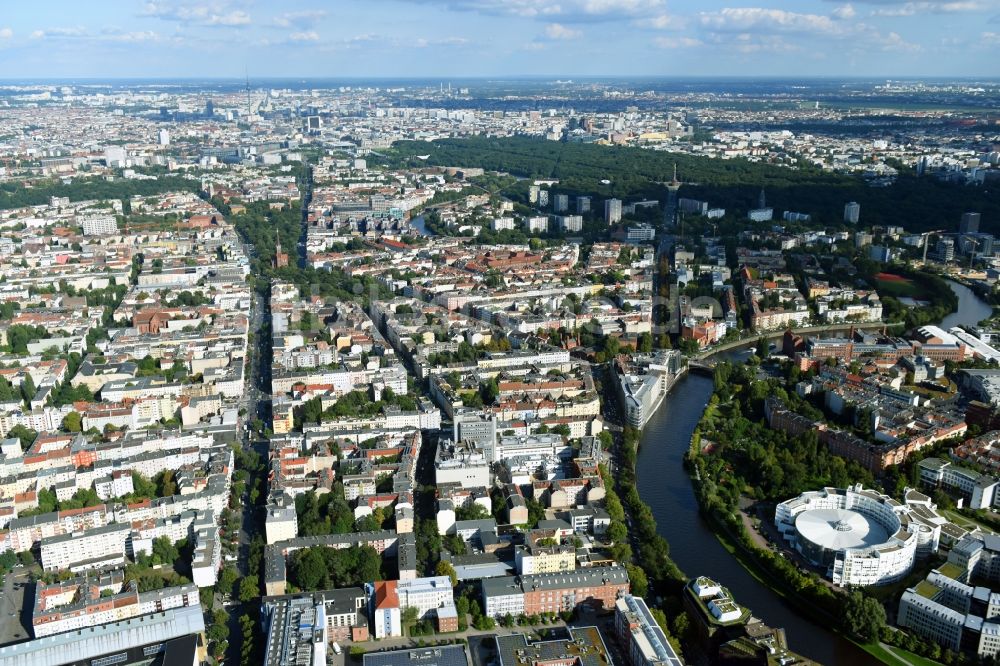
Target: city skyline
489 38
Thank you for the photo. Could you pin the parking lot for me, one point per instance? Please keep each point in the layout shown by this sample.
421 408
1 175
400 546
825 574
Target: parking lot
15 607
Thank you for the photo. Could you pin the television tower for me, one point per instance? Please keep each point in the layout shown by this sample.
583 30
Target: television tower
249 111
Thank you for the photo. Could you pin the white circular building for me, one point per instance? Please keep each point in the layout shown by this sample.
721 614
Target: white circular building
859 536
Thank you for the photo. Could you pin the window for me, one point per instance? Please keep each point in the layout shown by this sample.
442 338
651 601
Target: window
152 649
110 659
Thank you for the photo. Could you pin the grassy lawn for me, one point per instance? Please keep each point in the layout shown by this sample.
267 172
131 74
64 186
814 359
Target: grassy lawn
965 521
895 656
895 288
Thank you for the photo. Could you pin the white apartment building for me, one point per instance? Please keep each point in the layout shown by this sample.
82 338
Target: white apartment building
118 483
99 226
280 523
536 224
427 595
89 549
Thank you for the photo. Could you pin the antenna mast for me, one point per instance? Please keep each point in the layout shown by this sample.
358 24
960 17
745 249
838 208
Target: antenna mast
249 112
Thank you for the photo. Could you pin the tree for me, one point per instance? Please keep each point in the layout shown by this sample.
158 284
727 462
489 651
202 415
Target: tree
28 389
445 569
637 577
165 551
166 485
475 511
249 589
72 422
142 487
409 616
454 544
864 616
617 533
227 579
26 435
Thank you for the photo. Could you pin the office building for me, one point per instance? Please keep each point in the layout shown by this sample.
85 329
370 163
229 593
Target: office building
560 203
692 206
297 634
295 623
638 632
957 616
439 655
433 597
852 212
969 224
89 601
544 559
640 233
860 537
134 641
582 205
977 490
164 137
385 611
581 646
613 211
598 587
945 249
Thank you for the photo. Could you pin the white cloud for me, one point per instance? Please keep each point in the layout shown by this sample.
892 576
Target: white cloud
214 15
6 33
894 42
743 19
106 35
569 11
661 22
895 8
991 38
77 31
755 43
308 36
677 42
298 19
844 12
559 31
133 37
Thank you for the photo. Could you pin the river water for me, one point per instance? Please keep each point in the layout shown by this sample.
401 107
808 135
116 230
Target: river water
421 227
668 491
971 309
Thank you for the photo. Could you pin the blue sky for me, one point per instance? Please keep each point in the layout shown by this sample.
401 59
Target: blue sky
416 38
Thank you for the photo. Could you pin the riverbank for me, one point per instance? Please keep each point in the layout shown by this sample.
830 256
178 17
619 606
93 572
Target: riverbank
665 487
742 556
745 556
970 310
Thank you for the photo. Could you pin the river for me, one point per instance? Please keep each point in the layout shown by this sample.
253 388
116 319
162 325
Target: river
971 309
694 547
421 227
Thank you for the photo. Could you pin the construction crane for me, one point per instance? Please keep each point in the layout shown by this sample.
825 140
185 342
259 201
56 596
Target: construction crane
927 241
